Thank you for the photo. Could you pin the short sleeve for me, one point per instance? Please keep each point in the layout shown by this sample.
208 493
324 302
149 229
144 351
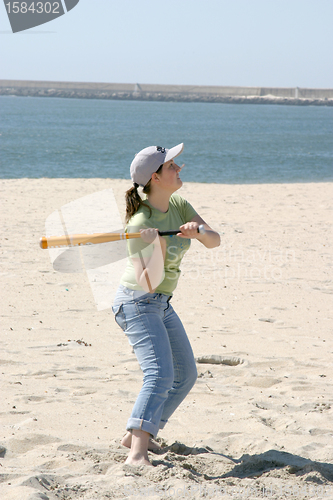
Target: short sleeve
185 208
189 212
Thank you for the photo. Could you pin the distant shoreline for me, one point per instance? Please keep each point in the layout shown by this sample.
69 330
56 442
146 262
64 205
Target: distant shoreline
168 93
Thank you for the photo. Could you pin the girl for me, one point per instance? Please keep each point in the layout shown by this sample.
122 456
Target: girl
142 305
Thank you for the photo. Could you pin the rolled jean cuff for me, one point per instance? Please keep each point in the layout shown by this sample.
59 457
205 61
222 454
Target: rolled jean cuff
163 424
142 425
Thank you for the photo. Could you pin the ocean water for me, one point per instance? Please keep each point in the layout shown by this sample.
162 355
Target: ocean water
224 143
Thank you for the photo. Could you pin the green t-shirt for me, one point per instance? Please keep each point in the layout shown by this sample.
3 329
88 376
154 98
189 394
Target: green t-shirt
179 212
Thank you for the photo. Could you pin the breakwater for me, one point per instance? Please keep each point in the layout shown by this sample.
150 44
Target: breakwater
175 93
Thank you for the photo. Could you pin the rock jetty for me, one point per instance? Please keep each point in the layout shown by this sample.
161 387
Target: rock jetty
174 93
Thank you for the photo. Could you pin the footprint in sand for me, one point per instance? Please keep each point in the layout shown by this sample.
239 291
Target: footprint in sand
214 359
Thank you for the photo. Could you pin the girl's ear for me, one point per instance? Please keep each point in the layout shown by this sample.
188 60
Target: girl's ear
155 177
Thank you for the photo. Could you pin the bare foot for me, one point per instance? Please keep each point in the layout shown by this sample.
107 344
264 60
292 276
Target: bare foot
152 444
138 454
140 460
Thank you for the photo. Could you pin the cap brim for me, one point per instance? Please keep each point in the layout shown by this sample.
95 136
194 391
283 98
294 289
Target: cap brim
173 152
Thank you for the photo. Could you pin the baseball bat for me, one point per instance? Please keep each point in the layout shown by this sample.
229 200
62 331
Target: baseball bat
95 238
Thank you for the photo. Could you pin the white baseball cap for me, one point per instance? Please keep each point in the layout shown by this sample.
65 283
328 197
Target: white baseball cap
149 160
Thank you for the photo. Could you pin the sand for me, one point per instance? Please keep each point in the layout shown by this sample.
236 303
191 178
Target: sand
258 425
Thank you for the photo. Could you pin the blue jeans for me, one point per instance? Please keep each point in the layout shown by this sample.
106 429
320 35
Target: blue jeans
164 353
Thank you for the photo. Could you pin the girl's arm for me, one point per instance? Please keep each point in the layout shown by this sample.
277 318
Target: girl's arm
149 271
210 238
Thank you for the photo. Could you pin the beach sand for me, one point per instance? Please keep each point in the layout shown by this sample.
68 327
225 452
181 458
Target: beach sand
257 425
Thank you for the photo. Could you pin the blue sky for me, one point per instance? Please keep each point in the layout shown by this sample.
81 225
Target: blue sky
279 43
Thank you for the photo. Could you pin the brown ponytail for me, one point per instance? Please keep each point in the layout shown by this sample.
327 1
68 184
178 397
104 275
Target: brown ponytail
134 200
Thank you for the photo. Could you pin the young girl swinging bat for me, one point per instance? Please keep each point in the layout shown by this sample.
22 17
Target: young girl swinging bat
142 305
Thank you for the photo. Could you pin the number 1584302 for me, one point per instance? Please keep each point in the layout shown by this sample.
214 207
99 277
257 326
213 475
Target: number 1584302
33 7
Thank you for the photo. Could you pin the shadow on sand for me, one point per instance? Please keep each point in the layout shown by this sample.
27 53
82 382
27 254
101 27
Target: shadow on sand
248 466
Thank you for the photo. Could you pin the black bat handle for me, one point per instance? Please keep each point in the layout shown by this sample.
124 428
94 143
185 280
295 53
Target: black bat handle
168 233
201 230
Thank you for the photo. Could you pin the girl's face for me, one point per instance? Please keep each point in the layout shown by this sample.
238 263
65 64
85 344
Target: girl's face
169 177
